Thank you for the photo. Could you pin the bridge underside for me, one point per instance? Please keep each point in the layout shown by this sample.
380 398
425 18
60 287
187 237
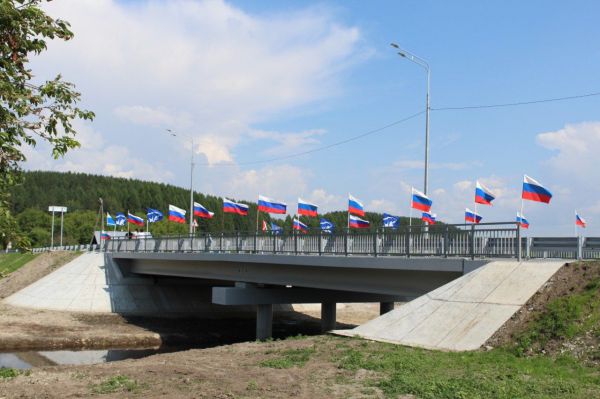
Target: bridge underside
264 280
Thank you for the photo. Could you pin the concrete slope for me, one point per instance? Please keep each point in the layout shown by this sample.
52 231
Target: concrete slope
89 284
464 313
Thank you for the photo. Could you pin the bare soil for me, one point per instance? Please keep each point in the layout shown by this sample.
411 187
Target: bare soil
233 371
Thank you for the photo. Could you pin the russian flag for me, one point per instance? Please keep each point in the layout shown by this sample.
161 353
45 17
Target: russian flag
269 206
306 208
471 216
579 221
202 212
355 207
233 207
138 221
522 221
483 195
428 218
358 223
176 215
104 236
420 201
534 191
298 225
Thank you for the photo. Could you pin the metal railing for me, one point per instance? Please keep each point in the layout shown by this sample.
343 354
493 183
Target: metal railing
80 247
482 240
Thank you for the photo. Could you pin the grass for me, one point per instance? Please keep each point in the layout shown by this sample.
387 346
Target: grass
441 375
13 261
289 358
119 383
563 319
7 372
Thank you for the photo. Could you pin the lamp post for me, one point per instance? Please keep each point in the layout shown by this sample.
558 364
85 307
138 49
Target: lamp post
420 61
172 133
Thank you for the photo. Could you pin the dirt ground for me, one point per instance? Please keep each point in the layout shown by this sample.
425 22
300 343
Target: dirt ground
233 371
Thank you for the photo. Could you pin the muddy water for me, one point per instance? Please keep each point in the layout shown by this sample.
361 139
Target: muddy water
27 360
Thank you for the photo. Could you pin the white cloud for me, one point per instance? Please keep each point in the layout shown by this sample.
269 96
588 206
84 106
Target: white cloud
157 116
281 182
326 201
577 146
206 67
94 156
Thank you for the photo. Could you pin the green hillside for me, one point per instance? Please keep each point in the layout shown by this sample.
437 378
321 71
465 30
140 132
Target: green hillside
80 192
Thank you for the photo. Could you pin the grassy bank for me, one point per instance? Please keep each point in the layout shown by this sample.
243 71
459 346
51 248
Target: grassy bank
13 261
494 374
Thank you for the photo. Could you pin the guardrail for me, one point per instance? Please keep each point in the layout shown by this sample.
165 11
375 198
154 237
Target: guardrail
82 247
481 240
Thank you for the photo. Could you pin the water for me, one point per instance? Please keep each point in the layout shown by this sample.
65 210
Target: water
27 360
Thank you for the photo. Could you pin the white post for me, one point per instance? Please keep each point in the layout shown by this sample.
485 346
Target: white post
52 234
62 214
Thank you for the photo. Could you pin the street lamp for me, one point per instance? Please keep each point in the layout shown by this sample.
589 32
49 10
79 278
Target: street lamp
172 133
420 61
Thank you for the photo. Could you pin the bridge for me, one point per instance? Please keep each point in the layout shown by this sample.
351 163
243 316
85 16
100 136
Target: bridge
384 266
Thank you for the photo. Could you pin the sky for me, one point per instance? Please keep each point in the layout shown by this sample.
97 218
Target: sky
250 82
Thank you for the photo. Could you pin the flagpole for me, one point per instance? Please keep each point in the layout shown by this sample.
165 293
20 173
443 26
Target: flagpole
128 222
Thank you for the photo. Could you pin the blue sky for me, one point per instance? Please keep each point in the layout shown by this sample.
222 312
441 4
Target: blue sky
255 80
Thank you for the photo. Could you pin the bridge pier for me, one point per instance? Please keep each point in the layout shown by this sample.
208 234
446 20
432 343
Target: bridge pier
328 316
385 307
264 321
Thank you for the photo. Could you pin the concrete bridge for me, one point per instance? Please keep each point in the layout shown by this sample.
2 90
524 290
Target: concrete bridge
264 269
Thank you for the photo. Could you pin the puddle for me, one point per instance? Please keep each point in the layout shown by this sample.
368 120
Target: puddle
27 360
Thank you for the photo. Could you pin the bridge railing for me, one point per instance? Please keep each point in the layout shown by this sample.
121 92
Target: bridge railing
481 240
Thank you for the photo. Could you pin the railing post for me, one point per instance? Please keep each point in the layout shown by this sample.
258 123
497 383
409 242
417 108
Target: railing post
205 242
320 243
237 242
472 241
346 242
295 243
519 243
274 244
408 233
256 242
221 242
446 242
375 243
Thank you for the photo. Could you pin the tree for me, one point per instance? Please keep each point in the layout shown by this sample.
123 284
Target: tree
30 109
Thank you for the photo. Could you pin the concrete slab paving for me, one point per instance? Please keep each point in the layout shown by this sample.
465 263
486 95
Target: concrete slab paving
463 314
88 284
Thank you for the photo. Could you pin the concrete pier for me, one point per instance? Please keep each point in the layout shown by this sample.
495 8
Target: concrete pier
328 316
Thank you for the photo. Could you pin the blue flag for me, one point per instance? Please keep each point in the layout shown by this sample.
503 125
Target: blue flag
326 226
391 221
276 229
154 215
109 220
121 219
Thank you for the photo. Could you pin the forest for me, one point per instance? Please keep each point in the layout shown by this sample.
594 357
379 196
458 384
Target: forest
80 193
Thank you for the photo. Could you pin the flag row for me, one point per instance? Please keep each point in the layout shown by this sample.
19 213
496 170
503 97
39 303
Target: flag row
532 190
